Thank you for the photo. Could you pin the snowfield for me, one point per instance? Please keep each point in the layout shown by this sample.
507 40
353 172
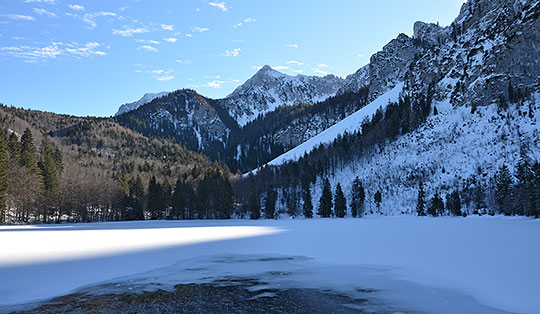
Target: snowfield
433 265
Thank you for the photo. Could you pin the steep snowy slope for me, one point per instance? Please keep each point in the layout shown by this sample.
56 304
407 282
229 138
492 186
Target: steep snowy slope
269 89
148 97
351 124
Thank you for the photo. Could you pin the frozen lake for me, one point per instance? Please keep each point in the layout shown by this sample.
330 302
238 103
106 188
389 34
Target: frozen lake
433 265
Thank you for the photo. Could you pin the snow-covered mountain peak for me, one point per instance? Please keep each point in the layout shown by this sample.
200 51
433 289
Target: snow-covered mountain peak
268 89
148 97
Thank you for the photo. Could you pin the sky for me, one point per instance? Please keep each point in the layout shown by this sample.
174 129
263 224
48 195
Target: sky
88 57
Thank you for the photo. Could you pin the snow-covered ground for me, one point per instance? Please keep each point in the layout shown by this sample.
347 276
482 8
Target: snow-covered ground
433 265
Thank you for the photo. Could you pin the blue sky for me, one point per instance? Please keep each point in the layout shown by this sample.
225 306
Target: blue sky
88 57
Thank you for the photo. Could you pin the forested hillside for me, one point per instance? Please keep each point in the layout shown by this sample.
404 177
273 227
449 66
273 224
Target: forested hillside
64 168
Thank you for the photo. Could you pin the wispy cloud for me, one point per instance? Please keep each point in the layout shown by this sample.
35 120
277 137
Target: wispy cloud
231 53
220 5
215 84
319 71
86 51
170 39
147 48
159 74
322 65
147 41
295 62
41 11
360 55
76 7
183 61
167 27
280 67
43 54
19 17
292 46
88 18
200 29
40 1
128 32
166 77
248 20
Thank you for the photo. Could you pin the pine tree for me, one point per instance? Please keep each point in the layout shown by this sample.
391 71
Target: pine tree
135 208
436 206
292 202
536 189
421 203
155 199
4 176
253 204
453 203
178 200
28 151
307 207
340 202
226 199
167 193
49 176
358 198
14 147
503 190
325 203
523 189
270 202
378 198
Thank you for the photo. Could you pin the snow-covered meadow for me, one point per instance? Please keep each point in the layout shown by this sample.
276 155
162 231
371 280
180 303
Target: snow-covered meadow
434 265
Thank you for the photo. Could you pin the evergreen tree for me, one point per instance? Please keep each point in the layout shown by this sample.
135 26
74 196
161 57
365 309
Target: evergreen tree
358 198
453 203
178 200
523 189
167 193
325 203
536 189
28 151
155 199
503 190
292 202
4 176
340 202
14 147
270 202
478 195
253 204
436 206
307 207
49 174
135 208
421 203
378 198
226 199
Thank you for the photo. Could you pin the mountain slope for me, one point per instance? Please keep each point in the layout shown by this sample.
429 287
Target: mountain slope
183 115
148 97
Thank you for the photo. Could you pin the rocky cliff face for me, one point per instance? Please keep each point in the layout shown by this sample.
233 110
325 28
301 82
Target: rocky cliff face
490 51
